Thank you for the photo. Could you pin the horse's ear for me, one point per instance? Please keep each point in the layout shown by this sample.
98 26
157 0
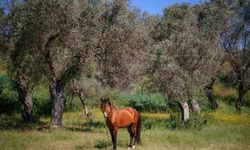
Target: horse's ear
107 99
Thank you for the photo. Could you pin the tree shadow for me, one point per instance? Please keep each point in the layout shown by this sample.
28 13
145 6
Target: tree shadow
13 122
94 124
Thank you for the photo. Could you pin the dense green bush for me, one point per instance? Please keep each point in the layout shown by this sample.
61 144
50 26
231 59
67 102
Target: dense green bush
41 106
247 99
8 95
171 123
160 124
230 99
149 103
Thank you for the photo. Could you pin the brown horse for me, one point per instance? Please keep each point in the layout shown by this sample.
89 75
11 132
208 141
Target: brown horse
124 118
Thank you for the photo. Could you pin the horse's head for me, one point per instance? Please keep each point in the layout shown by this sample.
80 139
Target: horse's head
105 106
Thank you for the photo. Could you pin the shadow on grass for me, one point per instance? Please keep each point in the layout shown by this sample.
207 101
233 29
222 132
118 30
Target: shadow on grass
100 144
80 147
40 126
80 129
94 124
88 126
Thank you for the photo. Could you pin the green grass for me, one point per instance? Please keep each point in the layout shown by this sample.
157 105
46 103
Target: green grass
79 132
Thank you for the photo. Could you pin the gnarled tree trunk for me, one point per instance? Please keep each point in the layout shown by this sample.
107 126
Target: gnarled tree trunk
184 111
83 100
240 100
26 100
210 95
195 106
57 98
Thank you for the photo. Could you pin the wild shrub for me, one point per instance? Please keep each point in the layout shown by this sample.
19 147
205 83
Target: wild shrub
196 121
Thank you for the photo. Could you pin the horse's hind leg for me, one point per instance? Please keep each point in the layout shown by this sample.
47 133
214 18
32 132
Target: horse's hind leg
131 136
134 128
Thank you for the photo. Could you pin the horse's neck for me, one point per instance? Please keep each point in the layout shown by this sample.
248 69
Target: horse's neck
113 109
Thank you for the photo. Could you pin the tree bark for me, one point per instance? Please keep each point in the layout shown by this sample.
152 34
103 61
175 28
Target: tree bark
26 101
184 111
210 95
57 98
241 93
83 100
195 106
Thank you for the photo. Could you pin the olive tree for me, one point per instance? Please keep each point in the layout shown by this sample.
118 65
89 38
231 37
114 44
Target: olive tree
21 57
23 64
212 20
59 36
69 44
186 54
236 43
119 52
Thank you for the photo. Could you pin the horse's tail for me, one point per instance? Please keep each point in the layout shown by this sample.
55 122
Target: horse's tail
138 129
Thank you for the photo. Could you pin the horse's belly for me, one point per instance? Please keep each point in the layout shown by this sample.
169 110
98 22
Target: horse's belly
125 125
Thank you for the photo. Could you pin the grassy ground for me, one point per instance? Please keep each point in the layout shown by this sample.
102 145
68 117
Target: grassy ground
81 133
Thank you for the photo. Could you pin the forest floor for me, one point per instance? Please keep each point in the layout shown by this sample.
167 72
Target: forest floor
222 132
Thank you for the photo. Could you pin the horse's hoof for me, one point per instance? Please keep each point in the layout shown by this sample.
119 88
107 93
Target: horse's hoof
131 147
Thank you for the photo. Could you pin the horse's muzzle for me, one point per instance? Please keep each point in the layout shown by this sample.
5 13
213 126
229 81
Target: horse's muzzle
105 115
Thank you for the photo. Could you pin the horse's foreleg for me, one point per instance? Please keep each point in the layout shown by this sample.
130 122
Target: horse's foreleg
131 136
114 137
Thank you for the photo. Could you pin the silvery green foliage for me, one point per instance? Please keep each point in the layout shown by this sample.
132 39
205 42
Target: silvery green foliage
122 42
86 83
89 87
58 36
